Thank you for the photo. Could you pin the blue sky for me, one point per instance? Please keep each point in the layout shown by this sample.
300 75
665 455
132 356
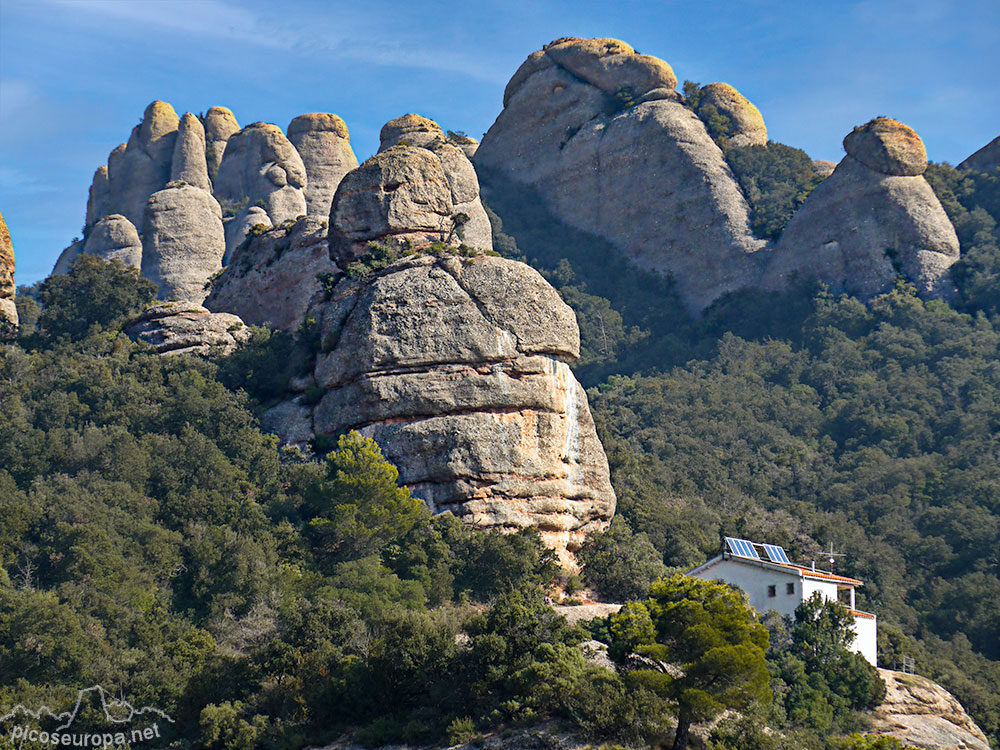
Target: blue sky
75 75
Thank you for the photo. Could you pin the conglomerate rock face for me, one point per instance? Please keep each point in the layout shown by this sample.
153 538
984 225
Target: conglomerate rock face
601 133
323 142
747 122
873 219
182 241
457 368
115 238
188 328
273 276
8 310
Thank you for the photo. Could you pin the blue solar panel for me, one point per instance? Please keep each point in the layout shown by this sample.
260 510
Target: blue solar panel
742 548
776 553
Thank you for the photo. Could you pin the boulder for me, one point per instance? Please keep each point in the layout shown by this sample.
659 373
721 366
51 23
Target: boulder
861 228
271 278
457 368
400 197
144 166
65 260
748 127
472 225
188 328
985 159
260 167
324 144
182 241
115 238
189 163
98 198
601 135
922 713
8 310
414 129
220 123
888 147
464 142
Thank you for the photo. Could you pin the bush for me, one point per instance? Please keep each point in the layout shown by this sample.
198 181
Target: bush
619 565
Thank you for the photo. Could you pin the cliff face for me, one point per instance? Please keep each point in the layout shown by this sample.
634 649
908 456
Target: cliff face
8 311
922 713
600 132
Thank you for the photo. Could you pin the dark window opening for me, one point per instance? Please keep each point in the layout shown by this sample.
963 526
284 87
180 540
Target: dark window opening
789 588
772 590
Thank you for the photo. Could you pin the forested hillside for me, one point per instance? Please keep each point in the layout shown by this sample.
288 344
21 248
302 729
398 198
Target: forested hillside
806 420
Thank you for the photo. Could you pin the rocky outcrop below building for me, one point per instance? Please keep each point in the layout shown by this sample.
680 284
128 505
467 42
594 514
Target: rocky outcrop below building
601 133
875 218
187 328
922 713
8 310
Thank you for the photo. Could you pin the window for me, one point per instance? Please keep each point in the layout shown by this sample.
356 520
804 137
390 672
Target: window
772 590
789 588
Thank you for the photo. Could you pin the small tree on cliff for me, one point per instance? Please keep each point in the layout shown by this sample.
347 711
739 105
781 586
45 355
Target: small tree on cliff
704 653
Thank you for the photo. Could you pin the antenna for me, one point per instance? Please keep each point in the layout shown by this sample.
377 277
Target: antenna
832 556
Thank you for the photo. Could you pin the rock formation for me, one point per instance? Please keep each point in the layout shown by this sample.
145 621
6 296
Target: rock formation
65 260
875 217
115 238
324 144
457 368
188 328
280 266
922 713
985 159
824 168
220 123
600 132
8 310
470 224
182 241
144 166
400 196
99 196
261 167
748 127
188 163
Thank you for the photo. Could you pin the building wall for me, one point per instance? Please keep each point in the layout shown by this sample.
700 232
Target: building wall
826 589
866 639
755 581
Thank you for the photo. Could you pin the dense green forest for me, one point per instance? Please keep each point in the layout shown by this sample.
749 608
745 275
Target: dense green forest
805 419
154 540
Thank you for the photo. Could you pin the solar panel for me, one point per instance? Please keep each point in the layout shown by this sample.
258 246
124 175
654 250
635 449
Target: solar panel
776 553
742 548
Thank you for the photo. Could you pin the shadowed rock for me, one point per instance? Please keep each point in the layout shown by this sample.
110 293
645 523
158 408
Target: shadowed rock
115 238
272 276
182 241
324 144
747 122
220 123
863 226
189 163
824 168
8 310
188 328
600 133
985 159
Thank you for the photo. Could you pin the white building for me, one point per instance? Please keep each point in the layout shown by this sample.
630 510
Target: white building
772 582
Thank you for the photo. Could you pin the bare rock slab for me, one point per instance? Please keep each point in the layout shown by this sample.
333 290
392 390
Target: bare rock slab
188 328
